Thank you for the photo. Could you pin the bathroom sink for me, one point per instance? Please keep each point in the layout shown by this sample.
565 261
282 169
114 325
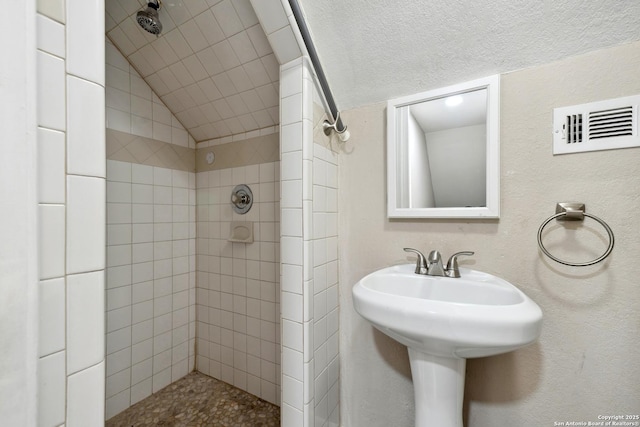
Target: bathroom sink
443 321
475 315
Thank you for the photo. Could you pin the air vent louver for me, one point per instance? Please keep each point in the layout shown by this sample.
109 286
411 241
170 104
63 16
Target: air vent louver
609 125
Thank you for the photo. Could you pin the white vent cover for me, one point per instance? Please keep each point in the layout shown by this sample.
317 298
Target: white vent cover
603 125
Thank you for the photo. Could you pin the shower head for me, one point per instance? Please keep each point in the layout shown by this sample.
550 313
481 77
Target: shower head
148 18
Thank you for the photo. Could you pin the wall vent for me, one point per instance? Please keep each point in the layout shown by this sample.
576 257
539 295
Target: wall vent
603 125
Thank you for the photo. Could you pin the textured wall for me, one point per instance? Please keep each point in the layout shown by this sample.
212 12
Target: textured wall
585 363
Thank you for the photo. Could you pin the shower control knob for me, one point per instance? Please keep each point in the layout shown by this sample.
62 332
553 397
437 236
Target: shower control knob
241 198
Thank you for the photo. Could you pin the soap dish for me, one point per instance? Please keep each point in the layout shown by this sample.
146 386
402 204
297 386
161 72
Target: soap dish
241 232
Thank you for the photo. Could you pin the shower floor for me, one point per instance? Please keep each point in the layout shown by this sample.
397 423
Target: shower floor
199 400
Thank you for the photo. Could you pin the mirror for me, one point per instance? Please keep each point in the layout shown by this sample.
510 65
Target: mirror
443 152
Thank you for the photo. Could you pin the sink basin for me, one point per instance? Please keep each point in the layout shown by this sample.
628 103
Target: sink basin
443 321
475 315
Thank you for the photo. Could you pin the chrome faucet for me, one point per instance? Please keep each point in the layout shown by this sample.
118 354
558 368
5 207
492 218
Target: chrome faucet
432 265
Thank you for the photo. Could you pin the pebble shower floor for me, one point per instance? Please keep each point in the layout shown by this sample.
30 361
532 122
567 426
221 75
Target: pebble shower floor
199 400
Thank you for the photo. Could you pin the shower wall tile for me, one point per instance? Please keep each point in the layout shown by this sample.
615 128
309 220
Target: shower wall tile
85 321
133 108
309 257
51 390
285 46
271 14
85 39
85 224
85 397
237 285
85 131
54 9
149 310
51 36
51 166
51 308
51 91
71 220
51 241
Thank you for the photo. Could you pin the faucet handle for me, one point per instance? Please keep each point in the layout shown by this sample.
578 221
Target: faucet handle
421 263
452 265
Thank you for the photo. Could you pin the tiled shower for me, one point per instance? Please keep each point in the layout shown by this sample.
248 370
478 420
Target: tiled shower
171 277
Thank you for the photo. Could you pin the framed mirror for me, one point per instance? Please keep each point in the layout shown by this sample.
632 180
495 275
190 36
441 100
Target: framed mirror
443 152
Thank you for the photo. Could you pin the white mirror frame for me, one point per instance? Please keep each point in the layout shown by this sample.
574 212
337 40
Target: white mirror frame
395 132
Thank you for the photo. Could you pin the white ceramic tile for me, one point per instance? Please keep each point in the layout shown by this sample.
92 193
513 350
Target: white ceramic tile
292 391
118 340
142 174
291 108
118 99
85 40
241 44
118 382
292 417
85 320
117 78
271 15
85 224
51 166
118 171
50 36
117 403
118 361
139 87
178 43
292 335
51 241
118 120
141 391
284 44
54 9
51 91
51 390
231 23
86 397
291 196
291 306
162 176
51 316
290 81
113 56
118 192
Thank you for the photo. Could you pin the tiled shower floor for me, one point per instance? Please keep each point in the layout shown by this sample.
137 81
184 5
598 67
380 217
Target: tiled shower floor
199 400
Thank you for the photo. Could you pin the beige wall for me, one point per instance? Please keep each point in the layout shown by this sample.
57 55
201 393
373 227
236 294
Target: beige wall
586 361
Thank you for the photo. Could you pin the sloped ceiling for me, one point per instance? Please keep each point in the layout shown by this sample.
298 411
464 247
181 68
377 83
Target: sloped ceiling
374 50
214 68
212 65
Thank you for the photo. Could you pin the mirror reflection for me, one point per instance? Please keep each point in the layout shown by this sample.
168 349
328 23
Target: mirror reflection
445 165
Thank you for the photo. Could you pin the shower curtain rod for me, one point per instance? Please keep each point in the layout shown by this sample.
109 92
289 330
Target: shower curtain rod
313 55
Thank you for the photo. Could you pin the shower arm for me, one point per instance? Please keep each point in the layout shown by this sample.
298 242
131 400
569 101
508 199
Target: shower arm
337 124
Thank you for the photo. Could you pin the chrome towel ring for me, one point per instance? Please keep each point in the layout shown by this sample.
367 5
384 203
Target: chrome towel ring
575 212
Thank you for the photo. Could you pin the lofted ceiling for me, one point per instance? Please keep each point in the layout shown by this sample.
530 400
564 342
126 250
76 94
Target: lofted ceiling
212 65
214 68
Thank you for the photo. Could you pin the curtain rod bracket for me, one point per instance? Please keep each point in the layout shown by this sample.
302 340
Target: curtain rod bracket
327 127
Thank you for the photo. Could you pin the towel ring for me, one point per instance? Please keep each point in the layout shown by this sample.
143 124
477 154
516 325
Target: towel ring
575 212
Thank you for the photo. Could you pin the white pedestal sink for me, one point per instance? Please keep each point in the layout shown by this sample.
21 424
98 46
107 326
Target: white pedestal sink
443 321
